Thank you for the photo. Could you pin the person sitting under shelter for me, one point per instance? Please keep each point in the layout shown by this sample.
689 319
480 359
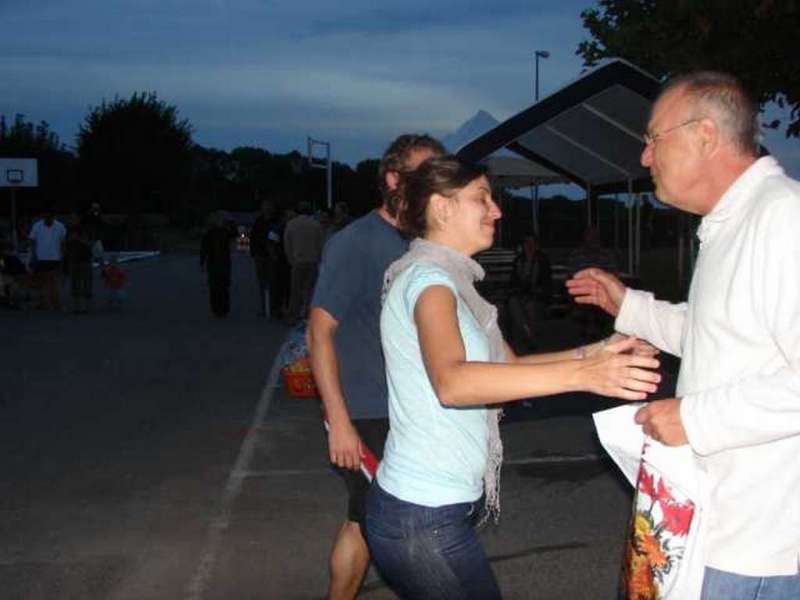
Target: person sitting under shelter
591 253
532 282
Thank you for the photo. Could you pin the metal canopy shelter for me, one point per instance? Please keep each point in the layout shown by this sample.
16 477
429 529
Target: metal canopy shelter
508 169
589 132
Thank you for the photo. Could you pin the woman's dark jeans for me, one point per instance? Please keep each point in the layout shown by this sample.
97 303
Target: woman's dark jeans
428 553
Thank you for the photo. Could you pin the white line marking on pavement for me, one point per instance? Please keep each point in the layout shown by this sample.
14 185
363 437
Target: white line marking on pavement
217 527
554 459
286 472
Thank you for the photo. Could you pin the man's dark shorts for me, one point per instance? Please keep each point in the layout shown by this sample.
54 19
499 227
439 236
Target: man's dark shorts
373 433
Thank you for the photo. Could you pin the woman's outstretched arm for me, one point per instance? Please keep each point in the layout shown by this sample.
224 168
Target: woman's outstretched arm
585 351
458 382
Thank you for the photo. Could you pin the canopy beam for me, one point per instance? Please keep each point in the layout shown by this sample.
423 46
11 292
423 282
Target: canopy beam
611 121
589 151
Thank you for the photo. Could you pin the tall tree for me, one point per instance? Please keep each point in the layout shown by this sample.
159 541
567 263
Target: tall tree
24 139
55 164
370 196
252 172
754 39
136 154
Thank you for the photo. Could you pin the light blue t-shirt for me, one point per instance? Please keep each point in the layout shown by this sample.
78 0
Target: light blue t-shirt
434 455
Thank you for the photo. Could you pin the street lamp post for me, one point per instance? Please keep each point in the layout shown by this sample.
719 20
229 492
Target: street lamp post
537 55
535 189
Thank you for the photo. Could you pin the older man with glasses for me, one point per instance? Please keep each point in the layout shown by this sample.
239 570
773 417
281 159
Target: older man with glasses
738 392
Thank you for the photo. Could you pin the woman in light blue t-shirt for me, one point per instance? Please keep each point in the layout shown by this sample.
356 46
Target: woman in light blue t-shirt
447 366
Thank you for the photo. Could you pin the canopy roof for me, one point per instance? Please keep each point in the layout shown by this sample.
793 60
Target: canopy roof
511 171
508 169
589 131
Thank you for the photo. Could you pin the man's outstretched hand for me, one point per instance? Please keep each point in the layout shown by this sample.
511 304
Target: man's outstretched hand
598 287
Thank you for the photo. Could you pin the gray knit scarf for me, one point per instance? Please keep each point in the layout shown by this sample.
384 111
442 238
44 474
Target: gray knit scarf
465 272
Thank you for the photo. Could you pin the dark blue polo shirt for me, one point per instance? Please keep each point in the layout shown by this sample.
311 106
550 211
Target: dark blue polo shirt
349 288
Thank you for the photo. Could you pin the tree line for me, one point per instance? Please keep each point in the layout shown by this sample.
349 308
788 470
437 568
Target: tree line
136 155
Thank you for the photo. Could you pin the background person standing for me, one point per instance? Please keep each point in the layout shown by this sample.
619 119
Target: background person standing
266 248
303 240
79 257
215 256
92 221
47 251
341 216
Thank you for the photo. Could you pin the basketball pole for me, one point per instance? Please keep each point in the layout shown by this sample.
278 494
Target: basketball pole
14 240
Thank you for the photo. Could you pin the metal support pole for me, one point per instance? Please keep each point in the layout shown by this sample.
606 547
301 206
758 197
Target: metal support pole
536 56
14 237
638 234
329 176
598 214
500 231
630 230
589 205
535 208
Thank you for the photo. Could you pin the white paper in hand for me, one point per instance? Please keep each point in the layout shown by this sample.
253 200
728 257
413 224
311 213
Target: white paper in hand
621 437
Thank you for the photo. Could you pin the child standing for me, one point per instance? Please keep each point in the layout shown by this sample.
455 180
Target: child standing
116 280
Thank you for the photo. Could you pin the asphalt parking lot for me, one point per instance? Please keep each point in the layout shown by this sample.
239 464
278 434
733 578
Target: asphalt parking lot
151 453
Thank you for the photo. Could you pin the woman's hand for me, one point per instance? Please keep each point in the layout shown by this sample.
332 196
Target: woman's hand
616 372
640 348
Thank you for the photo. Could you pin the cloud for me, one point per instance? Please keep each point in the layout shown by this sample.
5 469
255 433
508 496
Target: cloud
356 73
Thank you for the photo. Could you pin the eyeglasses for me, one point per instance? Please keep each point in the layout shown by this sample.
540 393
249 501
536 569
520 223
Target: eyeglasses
652 138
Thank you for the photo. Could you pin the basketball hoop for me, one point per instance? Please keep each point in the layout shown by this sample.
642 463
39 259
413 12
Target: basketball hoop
15 176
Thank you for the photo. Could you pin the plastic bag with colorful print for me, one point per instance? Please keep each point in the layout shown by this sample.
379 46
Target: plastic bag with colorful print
659 535
662 560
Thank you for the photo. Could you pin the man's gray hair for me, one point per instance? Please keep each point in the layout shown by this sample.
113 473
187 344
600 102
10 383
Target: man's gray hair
722 97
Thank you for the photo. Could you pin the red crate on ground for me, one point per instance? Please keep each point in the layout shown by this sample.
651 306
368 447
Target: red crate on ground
298 379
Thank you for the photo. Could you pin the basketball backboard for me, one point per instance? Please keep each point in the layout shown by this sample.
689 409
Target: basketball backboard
18 172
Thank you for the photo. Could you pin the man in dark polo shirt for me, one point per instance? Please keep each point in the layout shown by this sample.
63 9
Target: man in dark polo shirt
345 348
